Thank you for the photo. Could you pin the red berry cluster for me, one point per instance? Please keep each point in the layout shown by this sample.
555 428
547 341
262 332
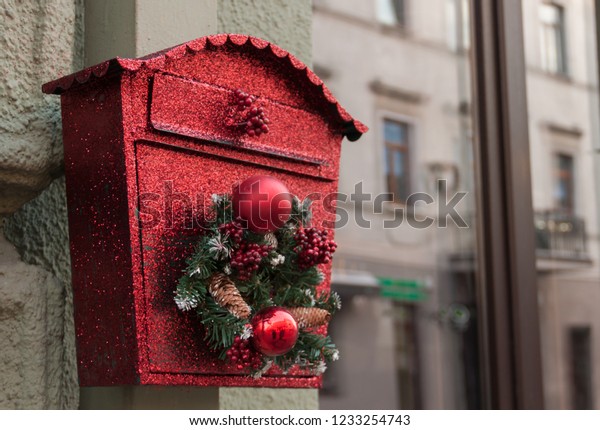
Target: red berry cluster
242 355
247 257
313 247
243 100
255 121
321 331
234 230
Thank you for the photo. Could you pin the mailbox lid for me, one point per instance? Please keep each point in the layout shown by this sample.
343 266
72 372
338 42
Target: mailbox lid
224 59
200 110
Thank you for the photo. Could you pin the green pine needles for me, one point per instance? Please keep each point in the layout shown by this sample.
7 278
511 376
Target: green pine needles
265 270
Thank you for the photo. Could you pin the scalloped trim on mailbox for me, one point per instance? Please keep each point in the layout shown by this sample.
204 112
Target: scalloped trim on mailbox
351 127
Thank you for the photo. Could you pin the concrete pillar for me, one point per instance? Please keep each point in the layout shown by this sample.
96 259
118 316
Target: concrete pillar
154 397
134 28
286 23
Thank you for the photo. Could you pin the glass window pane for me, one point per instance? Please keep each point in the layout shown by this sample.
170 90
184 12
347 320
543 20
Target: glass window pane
564 138
581 364
398 164
564 186
408 332
394 132
391 12
552 31
397 172
549 14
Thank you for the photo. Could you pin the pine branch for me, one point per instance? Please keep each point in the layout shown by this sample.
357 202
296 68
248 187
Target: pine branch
221 209
288 274
220 325
329 300
311 346
202 263
257 291
190 293
310 351
301 214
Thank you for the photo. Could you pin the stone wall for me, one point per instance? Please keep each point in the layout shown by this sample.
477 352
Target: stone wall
40 40
37 334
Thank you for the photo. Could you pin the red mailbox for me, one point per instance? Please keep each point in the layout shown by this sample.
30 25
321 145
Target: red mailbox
147 142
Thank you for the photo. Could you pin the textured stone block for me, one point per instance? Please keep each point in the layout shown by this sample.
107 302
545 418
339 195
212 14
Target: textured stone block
30 333
37 320
38 39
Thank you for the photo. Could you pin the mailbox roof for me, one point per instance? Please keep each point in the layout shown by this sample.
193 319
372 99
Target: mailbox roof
352 128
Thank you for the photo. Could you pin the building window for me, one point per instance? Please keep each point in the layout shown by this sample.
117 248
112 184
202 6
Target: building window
397 168
392 12
564 186
581 368
554 55
458 25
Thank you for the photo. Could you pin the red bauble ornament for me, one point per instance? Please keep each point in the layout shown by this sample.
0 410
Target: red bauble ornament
263 202
275 331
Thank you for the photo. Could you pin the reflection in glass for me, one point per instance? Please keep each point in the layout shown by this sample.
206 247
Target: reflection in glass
391 12
552 26
397 146
564 138
408 329
564 187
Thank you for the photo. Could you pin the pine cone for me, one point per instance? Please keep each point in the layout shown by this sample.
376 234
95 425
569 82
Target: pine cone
309 317
227 295
271 240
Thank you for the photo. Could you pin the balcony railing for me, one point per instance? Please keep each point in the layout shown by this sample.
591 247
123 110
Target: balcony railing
560 235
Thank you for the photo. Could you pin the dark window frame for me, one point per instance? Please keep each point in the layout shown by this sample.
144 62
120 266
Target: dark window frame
510 335
581 372
405 149
567 176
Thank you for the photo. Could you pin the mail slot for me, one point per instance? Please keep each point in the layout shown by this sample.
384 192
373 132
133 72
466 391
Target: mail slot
148 143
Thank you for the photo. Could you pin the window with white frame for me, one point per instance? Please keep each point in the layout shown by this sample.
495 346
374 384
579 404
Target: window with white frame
392 12
397 135
553 46
458 24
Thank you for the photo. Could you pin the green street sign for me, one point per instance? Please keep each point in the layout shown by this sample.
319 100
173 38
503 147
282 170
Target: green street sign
402 290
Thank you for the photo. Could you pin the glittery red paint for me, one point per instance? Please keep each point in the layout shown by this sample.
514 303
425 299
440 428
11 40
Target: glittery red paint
147 142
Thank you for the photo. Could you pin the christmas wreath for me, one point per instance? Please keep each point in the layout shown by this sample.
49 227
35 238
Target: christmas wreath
254 279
